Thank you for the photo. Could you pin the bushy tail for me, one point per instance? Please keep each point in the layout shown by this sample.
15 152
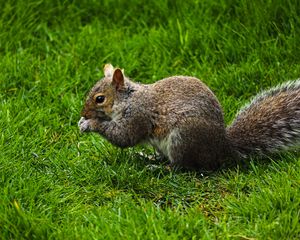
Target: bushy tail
269 123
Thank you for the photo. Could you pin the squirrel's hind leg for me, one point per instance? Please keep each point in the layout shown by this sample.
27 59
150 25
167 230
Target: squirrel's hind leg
200 148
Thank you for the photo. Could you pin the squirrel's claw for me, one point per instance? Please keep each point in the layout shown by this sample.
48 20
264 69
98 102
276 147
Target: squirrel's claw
83 125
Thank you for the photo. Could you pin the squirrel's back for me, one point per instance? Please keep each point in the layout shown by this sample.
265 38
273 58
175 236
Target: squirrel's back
182 97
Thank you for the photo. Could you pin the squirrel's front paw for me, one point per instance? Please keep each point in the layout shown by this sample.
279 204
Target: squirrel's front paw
84 124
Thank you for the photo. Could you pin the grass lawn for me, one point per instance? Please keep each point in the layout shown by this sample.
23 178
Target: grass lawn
58 184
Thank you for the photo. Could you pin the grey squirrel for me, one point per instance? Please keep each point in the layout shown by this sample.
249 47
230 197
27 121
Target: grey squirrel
182 118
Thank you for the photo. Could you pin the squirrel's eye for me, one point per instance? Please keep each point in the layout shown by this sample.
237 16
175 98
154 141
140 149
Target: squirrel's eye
100 99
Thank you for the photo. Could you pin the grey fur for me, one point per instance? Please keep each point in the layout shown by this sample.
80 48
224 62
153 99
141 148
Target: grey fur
269 123
183 120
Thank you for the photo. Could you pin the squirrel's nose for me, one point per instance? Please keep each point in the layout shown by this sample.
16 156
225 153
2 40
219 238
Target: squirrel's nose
84 113
87 113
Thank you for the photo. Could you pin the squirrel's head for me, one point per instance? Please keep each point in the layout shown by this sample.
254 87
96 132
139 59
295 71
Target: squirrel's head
101 98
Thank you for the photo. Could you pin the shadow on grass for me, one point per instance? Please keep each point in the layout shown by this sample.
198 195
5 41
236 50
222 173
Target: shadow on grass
158 164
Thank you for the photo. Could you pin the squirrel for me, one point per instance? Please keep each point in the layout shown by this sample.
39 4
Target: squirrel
182 118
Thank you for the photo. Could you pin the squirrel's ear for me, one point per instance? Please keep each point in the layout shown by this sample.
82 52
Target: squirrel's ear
118 78
108 70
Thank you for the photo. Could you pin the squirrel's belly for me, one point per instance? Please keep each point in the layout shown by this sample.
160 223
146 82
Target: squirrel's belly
163 145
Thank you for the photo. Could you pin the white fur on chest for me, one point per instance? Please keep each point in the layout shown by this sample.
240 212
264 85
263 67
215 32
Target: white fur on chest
164 145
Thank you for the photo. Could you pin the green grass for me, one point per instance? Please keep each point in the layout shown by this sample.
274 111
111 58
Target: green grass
58 184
